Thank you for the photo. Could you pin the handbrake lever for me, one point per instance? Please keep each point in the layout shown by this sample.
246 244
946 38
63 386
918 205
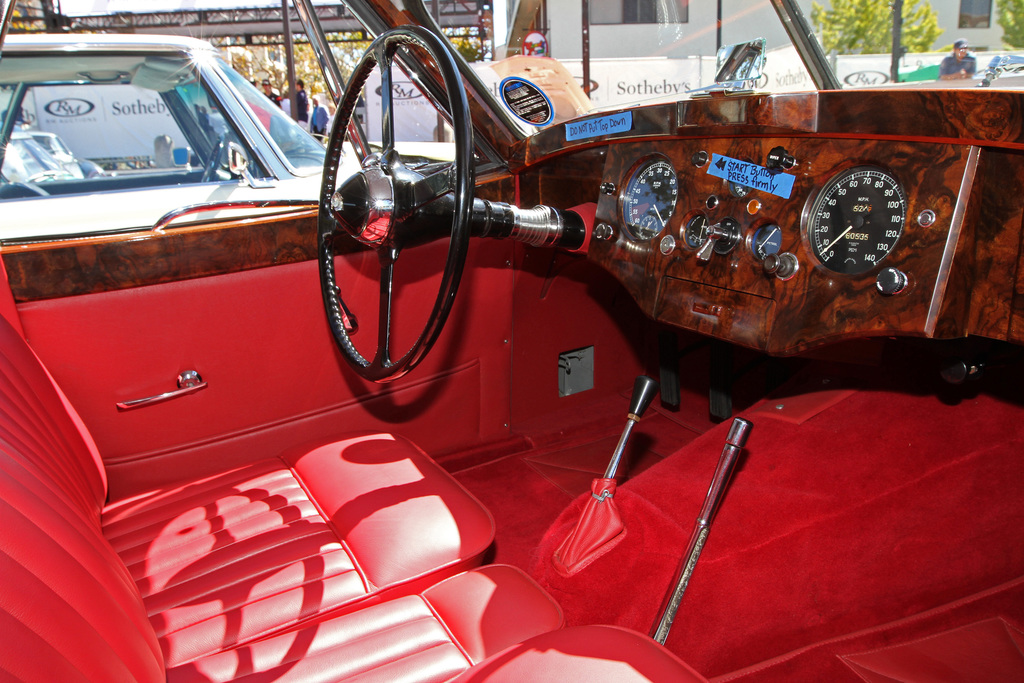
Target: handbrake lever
739 431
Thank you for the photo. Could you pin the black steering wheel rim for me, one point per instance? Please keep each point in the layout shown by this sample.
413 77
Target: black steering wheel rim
381 368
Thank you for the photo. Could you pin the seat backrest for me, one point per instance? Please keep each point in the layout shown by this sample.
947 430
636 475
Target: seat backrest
40 427
69 609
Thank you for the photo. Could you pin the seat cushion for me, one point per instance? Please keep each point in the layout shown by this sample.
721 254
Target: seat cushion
583 653
433 636
265 547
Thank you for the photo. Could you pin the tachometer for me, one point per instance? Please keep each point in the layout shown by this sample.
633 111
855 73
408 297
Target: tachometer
649 198
857 219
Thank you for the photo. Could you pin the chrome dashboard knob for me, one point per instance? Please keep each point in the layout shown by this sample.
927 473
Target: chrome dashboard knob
891 281
782 265
720 238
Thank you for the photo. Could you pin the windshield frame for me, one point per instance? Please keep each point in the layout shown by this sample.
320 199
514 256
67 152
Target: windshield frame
806 44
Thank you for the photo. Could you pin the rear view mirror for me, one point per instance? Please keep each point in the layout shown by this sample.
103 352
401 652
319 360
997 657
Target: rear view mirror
740 65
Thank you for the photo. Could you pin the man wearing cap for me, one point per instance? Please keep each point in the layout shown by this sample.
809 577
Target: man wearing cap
269 92
959 64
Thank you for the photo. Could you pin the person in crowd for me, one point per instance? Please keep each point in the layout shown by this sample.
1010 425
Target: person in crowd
318 121
960 64
269 92
302 102
331 109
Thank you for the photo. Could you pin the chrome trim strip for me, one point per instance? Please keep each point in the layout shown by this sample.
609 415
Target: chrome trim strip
321 48
807 46
287 205
956 225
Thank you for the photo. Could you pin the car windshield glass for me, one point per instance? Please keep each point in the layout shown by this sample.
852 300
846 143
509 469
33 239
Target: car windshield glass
546 63
303 152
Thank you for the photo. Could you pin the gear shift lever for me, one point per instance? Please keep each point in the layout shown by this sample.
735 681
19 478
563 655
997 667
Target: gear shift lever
600 527
644 391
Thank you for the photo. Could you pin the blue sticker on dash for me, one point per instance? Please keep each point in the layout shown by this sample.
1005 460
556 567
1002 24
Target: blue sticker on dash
751 175
603 125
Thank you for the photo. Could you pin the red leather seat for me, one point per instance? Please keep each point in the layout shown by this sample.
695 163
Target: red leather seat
267 546
323 564
583 653
249 552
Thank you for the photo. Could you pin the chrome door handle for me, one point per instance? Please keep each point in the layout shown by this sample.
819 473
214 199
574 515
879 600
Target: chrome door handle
189 382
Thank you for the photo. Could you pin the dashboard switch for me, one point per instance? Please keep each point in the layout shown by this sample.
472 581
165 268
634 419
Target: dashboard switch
891 281
783 265
720 238
603 231
779 159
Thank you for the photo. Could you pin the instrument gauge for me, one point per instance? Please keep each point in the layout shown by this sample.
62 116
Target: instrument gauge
649 198
696 231
766 241
856 219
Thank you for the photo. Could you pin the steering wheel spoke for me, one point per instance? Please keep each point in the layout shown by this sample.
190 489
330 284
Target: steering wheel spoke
387 99
378 205
435 182
387 277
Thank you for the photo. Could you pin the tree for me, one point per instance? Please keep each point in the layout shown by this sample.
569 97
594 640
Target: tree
1011 19
256 63
865 26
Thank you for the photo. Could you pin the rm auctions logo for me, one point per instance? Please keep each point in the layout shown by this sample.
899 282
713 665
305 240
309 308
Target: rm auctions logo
866 78
400 91
69 106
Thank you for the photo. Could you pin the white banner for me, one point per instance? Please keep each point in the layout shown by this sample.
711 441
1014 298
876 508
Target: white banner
105 121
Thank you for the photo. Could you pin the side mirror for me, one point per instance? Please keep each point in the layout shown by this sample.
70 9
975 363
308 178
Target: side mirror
238 162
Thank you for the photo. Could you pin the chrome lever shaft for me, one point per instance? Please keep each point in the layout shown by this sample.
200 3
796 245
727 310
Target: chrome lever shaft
734 442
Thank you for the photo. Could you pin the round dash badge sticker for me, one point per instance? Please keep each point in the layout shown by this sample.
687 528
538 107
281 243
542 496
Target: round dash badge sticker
526 101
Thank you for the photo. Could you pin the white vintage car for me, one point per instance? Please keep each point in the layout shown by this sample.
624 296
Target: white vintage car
168 121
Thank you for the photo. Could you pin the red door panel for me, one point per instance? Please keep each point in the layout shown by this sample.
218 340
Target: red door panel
260 339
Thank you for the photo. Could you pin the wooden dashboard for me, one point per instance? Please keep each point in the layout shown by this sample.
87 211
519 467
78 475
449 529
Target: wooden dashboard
958 154
960 168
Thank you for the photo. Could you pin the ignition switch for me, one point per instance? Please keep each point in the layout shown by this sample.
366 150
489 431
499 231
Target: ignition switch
720 238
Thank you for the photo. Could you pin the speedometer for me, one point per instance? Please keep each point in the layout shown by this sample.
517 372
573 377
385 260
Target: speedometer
857 219
649 198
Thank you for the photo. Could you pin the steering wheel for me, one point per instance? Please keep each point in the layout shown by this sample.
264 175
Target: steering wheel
213 163
377 205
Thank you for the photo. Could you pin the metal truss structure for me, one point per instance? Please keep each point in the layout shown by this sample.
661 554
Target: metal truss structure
259 25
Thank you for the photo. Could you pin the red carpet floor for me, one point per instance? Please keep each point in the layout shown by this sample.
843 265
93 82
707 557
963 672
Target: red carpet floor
883 505
871 509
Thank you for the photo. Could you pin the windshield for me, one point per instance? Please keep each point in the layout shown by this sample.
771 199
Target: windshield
304 153
548 62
